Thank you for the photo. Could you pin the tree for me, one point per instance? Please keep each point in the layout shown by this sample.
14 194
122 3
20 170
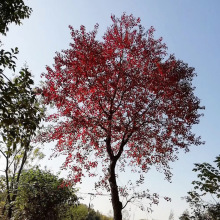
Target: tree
20 111
20 117
208 184
122 100
12 11
43 195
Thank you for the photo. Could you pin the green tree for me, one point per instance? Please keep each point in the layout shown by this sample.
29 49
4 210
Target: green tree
20 116
209 178
20 111
12 11
43 195
208 183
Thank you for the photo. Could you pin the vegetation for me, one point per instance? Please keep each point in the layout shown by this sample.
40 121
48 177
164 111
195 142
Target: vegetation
208 184
42 195
122 102
130 98
12 11
83 212
20 112
20 116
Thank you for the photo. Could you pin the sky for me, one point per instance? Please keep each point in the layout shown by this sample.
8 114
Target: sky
191 31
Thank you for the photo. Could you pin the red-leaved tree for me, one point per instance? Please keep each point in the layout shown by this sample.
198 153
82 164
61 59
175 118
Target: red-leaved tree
120 101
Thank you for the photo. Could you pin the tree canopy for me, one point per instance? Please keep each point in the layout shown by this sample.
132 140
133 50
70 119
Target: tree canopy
12 11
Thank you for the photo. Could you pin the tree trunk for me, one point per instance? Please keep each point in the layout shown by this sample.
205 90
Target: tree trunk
15 188
14 185
8 190
116 204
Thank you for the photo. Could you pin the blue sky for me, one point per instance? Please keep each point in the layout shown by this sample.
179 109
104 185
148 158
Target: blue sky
191 30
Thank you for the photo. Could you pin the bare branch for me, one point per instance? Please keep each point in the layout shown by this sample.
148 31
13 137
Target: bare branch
3 154
129 200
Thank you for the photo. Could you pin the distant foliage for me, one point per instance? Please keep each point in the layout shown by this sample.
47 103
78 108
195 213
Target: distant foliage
83 212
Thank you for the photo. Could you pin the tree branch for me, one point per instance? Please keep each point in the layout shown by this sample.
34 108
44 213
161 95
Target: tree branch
3 154
129 200
1 72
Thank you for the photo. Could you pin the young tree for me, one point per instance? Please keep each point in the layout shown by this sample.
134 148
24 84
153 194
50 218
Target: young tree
20 116
122 100
20 111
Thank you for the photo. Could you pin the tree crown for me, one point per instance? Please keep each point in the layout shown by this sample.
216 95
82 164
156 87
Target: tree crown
120 99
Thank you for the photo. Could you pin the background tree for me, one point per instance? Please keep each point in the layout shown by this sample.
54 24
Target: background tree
20 116
121 101
43 195
12 11
208 183
20 111
209 178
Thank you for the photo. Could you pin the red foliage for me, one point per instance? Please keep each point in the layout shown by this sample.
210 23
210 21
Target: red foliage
120 99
